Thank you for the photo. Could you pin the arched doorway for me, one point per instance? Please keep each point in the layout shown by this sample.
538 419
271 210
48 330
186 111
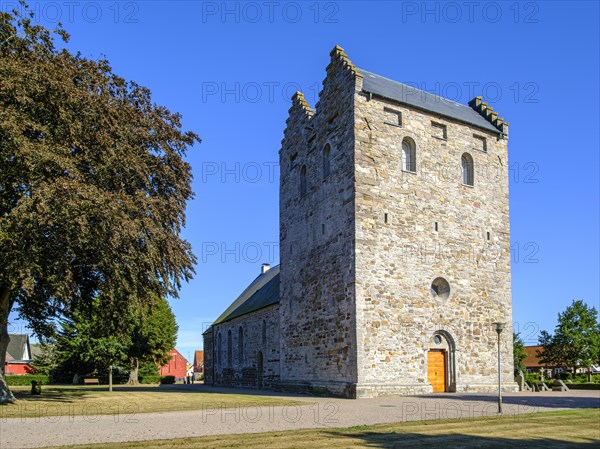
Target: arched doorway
259 370
441 372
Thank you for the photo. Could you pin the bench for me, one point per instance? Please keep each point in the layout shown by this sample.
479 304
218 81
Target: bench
91 381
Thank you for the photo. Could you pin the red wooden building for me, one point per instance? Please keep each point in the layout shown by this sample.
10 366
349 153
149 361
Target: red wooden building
18 355
177 366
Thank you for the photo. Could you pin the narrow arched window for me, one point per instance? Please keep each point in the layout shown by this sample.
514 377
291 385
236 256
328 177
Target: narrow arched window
219 353
229 349
241 346
326 161
409 155
303 180
468 177
264 332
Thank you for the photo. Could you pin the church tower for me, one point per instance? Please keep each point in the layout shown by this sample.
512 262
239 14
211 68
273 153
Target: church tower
394 240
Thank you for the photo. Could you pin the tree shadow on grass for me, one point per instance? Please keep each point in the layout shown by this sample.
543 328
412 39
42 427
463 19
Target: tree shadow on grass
68 394
457 441
560 400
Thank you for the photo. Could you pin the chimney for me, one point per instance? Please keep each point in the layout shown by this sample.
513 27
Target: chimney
264 268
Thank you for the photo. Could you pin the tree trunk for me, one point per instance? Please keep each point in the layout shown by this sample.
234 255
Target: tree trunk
589 373
133 372
6 304
110 378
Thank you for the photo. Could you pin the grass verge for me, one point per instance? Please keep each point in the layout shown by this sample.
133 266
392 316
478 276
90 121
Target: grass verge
125 400
574 429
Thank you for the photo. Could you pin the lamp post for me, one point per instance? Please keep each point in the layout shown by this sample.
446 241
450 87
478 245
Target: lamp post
499 328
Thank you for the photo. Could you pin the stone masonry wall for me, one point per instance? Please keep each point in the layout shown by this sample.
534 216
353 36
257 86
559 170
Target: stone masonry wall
242 368
208 358
318 344
399 252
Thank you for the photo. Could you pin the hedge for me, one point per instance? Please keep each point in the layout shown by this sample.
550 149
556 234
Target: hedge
150 379
167 380
583 386
26 379
117 380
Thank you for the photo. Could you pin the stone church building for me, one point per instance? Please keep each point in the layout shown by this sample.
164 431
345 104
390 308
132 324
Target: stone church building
394 248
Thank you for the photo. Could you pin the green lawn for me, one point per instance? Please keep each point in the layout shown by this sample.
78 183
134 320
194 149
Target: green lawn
79 400
574 429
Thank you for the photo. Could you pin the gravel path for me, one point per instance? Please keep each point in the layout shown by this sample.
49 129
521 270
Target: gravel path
317 413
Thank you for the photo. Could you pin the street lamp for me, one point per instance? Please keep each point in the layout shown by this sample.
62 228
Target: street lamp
499 328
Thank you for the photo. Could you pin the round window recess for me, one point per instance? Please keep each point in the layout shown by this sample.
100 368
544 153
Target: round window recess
437 340
440 288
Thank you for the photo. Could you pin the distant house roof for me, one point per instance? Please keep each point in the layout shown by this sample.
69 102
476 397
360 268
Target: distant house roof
18 347
410 95
175 353
532 361
198 357
262 292
36 350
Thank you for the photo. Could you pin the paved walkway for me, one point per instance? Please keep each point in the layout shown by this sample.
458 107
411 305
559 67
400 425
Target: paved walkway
317 413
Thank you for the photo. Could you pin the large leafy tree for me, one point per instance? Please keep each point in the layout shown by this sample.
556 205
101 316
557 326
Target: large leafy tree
92 339
153 333
93 185
576 339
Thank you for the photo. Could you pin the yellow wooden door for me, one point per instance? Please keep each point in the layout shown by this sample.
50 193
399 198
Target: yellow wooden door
436 372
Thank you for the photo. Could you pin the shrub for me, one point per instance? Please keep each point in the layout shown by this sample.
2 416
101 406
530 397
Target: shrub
150 379
167 380
532 377
564 376
26 379
117 379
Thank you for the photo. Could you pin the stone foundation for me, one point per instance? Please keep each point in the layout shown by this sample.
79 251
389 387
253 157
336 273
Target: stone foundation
510 387
377 390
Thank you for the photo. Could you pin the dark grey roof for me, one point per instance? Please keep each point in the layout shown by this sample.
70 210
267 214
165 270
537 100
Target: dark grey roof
262 292
403 93
16 346
36 350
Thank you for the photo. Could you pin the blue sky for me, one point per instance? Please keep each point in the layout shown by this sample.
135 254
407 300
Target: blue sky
230 69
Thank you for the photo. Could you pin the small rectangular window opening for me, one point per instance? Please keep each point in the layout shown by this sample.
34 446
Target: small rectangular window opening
436 226
392 117
488 235
385 218
480 143
322 229
439 130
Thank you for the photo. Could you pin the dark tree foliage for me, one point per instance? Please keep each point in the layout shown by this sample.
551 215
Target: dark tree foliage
576 339
93 185
92 342
519 353
153 333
